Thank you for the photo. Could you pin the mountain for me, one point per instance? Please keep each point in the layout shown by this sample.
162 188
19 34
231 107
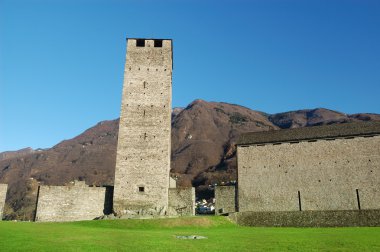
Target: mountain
314 117
203 150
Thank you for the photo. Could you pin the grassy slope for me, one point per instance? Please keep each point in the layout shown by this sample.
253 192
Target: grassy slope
159 235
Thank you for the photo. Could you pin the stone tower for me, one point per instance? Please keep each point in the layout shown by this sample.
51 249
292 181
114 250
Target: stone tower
143 151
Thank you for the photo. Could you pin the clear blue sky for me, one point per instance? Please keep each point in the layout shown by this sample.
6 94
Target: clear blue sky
61 61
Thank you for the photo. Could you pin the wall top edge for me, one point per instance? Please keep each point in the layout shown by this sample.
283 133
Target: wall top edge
329 132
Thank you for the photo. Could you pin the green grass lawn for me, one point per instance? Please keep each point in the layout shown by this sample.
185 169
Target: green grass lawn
160 235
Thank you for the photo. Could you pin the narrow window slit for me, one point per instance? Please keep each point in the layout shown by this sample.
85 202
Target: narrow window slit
358 198
299 201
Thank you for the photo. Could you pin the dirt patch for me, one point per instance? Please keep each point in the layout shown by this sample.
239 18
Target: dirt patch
188 222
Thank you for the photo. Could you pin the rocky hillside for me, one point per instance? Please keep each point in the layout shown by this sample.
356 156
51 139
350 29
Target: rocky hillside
203 150
314 117
13 154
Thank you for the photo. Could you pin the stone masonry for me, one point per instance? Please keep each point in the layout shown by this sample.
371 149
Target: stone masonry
332 218
70 203
172 183
310 169
143 152
3 194
181 201
225 200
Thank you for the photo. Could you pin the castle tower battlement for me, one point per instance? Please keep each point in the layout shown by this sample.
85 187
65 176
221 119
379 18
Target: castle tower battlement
143 151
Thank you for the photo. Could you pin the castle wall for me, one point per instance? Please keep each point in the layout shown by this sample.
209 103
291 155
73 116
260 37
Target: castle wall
333 218
172 183
143 152
3 195
326 174
181 201
70 203
225 200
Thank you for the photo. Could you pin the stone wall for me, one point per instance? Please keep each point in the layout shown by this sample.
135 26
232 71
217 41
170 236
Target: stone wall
172 183
225 199
70 203
143 152
337 218
328 174
181 201
3 195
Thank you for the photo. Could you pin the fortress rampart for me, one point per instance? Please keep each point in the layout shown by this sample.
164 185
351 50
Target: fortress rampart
225 199
181 201
335 167
72 203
